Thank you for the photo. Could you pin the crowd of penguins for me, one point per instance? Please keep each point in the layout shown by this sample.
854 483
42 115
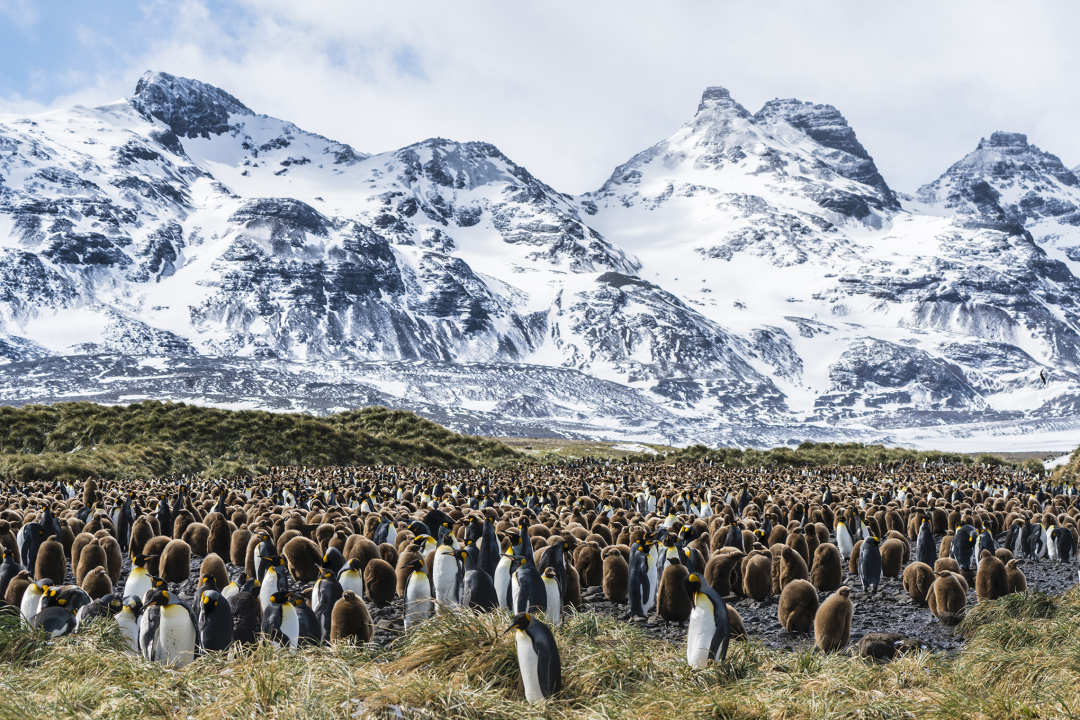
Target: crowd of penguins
672 543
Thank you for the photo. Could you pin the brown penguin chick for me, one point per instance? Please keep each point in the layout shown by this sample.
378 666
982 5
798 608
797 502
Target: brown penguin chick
1017 580
572 596
947 598
617 575
180 523
90 494
219 541
388 553
141 532
832 624
257 537
589 563
51 562
792 567
672 601
777 551
827 572
238 543
892 558
175 562
883 646
947 564
718 571
992 580
97 583
350 619
81 541
361 548
114 557
853 561
380 582
798 606
305 559
1004 555
735 624
153 549
196 536
214 566
403 570
797 541
779 535
15 589
918 578
946 546
757 577
91 556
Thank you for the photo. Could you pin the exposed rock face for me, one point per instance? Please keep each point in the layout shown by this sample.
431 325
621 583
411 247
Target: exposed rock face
750 279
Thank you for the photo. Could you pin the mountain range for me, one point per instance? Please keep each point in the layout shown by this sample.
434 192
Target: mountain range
752 279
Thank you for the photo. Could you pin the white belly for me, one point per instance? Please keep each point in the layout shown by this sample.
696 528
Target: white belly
554 602
290 625
527 663
417 599
129 628
445 570
269 587
352 580
699 635
502 581
137 584
31 602
175 643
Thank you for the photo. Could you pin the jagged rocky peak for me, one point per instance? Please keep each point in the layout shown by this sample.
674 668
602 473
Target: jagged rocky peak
718 98
828 128
189 107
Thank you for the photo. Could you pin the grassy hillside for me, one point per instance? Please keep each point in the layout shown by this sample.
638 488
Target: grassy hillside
1021 661
74 440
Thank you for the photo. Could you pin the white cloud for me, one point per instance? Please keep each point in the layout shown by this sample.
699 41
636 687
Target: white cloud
20 12
571 89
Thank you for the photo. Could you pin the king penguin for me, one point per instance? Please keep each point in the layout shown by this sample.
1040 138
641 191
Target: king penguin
870 565
538 657
128 620
477 589
447 573
280 622
169 633
215 622
709 632
554 596
418 602
351 578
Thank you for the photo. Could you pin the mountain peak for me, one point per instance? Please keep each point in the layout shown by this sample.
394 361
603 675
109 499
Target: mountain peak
1004 140
189 107
719 98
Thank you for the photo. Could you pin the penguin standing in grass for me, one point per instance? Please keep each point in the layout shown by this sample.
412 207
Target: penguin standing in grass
169 634
31 600
554 596
477 589
870 565
538 657
215 621
280 622
128 620
418 600
709 631
324 596
9 568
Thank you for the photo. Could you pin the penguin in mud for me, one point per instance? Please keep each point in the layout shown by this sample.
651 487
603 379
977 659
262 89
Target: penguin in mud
215 622
538 657
926 550
419 603
641 588
870 565
169 632
709 631
963 546
832 622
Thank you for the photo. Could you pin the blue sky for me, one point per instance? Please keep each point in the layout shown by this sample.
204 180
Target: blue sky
571 89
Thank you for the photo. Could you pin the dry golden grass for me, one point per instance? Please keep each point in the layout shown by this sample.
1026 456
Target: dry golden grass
1022 661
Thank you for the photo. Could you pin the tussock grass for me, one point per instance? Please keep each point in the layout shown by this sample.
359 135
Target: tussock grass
1022 660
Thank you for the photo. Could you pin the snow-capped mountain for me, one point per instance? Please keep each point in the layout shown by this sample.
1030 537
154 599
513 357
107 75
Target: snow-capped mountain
752 279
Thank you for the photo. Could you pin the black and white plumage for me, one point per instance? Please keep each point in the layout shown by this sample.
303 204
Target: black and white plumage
215 621
538 657
870 564
709 630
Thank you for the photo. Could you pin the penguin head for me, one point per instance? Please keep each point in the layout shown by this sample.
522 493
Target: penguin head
208 582
141 560
461 555
133 605
209 602
353 564
280 598
160 598
328 575
693 584
874 540
416 565
520 622
549 573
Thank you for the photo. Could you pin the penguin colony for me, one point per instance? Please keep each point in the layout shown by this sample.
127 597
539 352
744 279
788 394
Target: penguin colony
312 550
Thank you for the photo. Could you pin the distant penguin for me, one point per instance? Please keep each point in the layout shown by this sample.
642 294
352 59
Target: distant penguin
798 606
380 582
616 575
9 568
419 603
709 630
832 623
827 572
538 657
554 601
351 619
869 566
215 622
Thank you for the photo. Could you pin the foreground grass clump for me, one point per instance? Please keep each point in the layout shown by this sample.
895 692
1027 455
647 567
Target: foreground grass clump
1022 661
77 440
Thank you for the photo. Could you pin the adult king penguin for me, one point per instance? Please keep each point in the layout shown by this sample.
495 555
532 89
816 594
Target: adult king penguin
870 565
538 657
169 634
709 632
